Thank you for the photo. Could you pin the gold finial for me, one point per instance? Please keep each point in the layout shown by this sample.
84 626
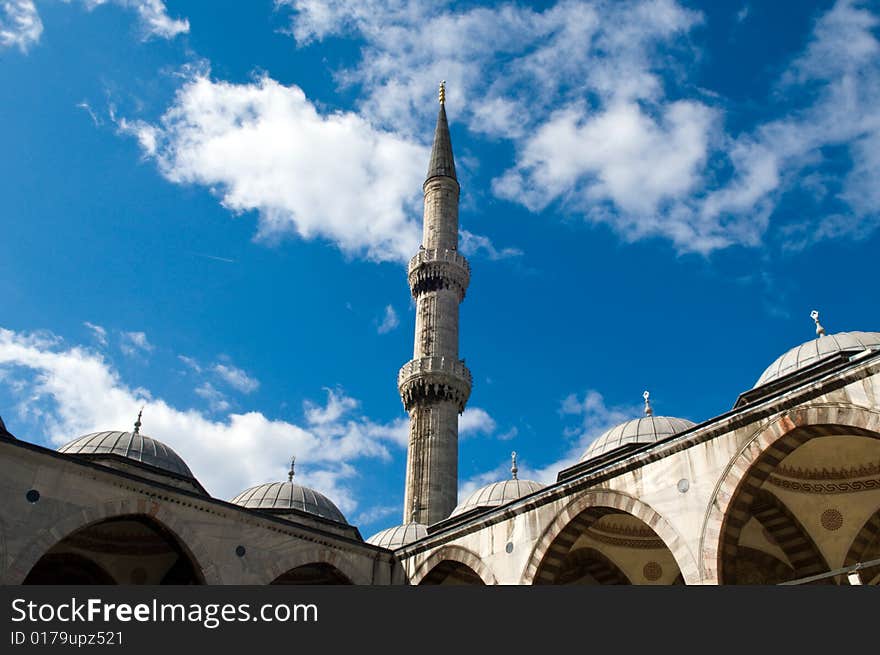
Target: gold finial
648 410
137 423
820 331
513 469
442 93
290 472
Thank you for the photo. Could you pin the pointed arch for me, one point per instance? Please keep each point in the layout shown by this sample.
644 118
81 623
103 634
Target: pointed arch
583 511
741 482
457 554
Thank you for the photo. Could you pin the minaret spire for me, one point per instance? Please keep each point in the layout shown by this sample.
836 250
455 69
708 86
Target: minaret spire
435 385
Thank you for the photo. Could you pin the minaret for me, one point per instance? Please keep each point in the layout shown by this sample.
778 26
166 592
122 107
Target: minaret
435 384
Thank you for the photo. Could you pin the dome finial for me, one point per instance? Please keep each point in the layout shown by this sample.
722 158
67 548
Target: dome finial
648 410
820 331
513 469
137 423
290 472
442 93
415 508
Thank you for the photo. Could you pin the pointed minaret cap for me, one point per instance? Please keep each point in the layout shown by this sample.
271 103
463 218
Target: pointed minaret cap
820 331
648 410
442 162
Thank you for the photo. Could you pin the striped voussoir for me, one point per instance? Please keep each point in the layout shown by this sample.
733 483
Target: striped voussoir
866 545
593 562
558 538
788 533
555 559
731 507
449 572
452 557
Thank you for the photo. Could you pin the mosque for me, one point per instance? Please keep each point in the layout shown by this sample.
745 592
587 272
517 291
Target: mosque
782 489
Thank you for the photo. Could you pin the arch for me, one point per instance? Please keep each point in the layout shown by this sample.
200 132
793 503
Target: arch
311 574
794 540
68 568
456 554
134 543
449 572
760 568
157 511
770 444
589 560
317 556
866 546
572 519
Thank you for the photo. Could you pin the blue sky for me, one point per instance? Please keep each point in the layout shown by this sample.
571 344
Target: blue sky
208 208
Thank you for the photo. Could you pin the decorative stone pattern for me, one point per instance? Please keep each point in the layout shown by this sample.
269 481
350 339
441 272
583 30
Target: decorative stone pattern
652 571
831 519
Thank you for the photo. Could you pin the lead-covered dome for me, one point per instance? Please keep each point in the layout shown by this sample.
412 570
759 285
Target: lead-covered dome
399 535
645 430
497 493
278 497
131 445
811 351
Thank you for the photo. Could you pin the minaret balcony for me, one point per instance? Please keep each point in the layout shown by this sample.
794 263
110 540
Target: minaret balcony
438 269
432 379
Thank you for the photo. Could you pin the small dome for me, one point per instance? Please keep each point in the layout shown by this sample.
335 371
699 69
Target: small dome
280 496
137 447
399 535
811 351
497 493
648 429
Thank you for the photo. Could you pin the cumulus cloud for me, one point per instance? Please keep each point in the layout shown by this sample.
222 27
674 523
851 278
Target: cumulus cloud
69 390
389 321
595 99
20 24
266 148
475 421
216 399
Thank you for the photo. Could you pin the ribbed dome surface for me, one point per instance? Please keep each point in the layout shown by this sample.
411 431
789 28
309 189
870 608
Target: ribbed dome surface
289 495
497 493
648 429
398 536
807 353
137 447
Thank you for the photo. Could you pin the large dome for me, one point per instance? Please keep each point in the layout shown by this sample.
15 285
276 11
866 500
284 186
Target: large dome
134 446
497 493
648 429
399 535
280 496
811 351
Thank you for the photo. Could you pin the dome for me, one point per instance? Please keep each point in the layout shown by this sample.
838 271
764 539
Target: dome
497 493
811 351
280 496
399 535
134 446
648 429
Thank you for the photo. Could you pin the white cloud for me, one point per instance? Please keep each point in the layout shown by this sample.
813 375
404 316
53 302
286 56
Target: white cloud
236 378
132 342
216 399
69 391
474 421
20 24
99 332
472 244
595 99
153 16
389 321
265 147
